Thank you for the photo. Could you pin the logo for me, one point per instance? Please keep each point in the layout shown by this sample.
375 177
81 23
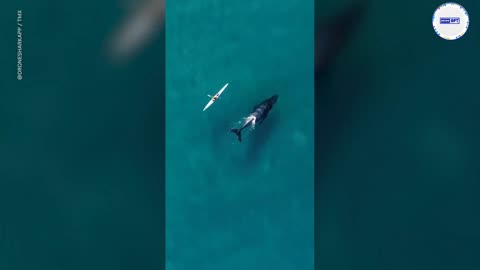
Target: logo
447 20
450 21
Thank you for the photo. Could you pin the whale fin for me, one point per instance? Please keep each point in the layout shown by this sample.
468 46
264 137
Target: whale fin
238 133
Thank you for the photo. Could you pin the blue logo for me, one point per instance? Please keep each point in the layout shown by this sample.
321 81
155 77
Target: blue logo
449 20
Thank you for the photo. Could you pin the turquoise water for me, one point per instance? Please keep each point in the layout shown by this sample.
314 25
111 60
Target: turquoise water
237 205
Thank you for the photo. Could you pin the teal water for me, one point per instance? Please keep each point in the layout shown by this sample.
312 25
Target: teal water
397 187
81 143
237 205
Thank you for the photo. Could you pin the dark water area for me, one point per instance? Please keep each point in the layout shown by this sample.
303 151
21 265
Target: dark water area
81 143
397 171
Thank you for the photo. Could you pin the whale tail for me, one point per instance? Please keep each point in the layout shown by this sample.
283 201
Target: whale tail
238 133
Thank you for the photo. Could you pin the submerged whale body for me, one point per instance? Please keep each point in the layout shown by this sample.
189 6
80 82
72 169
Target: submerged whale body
332 35
257 116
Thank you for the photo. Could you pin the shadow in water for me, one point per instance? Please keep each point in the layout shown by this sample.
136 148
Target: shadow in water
337 94
258 138
335 33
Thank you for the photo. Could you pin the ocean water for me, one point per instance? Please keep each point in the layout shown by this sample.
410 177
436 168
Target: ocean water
232 205
82 141
81 146
397 156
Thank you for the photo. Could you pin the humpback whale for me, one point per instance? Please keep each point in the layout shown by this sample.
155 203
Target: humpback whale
258 114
